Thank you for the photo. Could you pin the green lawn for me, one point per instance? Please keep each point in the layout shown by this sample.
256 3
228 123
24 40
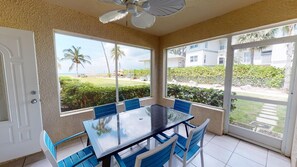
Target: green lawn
246 111
110 82
281 114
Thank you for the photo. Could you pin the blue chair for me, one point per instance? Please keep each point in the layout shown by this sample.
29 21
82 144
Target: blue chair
131 104
83 158
105 110
184 107
156 157
188 148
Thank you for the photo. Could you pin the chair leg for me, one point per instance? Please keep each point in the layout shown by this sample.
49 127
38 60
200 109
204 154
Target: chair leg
88 142
156 143
186 127
202 159
176 129
148 146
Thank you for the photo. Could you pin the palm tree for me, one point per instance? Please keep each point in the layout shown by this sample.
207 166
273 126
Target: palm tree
76 57
109 75
119 53
256 36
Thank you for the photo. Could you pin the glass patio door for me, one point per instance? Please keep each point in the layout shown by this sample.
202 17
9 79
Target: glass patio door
261 91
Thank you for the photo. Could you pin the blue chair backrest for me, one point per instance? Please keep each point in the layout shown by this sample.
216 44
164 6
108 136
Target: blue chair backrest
182 106
48 148
105 110
158 156
197 135
131 104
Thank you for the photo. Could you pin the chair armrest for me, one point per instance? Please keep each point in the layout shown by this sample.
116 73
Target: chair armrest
83 159
68 138
190 125
181 146
166 136
159 139
177 143
119 159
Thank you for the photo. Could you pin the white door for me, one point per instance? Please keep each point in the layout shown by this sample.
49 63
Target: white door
20 110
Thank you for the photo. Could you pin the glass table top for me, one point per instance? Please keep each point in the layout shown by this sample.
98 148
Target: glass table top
116 132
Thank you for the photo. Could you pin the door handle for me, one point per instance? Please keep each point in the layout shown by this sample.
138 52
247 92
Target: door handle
33 101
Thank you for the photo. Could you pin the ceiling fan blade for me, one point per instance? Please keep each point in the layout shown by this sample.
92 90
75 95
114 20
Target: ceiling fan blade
143 20
113 16
163 7
119 2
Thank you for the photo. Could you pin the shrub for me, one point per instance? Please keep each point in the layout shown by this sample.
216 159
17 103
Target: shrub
137 73
213 97
254 75
76 94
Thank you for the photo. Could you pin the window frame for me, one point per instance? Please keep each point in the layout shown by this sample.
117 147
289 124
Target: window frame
227 47
286 147
88 109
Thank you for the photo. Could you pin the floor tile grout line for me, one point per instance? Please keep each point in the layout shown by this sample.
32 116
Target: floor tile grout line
233 152
214 157
249 159
226 148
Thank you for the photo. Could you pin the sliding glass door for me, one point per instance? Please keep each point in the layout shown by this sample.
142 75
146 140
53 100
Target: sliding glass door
261 91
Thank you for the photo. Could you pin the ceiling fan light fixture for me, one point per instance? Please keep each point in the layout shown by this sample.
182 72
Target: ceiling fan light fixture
143 20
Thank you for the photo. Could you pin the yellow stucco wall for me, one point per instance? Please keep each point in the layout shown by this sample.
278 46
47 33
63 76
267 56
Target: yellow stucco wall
256 15
41 18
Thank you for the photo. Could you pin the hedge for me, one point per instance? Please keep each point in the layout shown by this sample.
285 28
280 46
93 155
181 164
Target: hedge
137 73
213 97
76 94
254 75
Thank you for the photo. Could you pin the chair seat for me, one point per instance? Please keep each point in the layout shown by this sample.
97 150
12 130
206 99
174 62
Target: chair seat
74 158
130 160
179 152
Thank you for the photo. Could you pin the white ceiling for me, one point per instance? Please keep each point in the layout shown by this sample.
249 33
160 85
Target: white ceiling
195 11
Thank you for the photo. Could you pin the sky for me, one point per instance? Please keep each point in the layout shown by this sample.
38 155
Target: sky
93 48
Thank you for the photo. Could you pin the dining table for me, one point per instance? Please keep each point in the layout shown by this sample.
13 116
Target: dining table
114 133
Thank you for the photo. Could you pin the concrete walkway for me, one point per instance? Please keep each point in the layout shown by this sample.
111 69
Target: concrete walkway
268 115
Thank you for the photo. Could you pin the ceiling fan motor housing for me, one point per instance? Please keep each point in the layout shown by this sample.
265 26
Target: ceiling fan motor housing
131 8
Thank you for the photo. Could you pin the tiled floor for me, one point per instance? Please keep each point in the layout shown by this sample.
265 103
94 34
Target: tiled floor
219 151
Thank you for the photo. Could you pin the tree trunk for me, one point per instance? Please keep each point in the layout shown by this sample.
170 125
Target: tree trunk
76 70
109 75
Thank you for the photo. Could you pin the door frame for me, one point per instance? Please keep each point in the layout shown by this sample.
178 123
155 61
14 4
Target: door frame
284 145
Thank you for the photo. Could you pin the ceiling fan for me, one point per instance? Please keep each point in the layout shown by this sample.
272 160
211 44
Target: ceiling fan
143 12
